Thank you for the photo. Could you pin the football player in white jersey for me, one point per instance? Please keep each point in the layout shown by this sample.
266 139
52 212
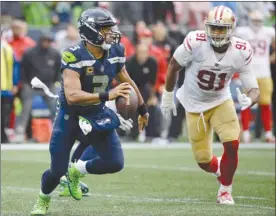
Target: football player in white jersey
260 38
210 58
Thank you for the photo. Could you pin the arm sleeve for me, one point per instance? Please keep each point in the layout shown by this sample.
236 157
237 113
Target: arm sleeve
24 68
182 56
248 80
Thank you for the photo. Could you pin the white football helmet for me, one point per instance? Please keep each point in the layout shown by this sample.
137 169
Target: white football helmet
219 25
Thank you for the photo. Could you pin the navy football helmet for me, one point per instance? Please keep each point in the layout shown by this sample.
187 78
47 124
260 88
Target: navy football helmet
91 24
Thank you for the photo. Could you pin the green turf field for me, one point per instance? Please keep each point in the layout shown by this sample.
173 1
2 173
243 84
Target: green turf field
160 182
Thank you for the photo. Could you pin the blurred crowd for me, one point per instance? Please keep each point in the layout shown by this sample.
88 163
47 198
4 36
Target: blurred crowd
33 35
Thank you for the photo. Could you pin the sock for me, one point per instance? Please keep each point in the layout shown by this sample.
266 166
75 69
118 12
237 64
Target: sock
81 166
245 119
229 162
266 117
43 194
226 188
211 167
48 182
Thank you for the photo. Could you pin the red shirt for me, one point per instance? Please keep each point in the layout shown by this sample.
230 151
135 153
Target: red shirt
20 45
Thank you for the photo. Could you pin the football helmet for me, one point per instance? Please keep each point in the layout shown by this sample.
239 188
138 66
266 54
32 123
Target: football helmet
219 25
92 26
256 19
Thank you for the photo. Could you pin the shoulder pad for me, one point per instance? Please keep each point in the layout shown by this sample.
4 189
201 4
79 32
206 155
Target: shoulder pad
194 39
71 54
244 48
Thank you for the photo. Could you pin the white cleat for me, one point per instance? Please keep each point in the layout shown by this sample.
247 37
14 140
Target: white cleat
269 138
225 197
246 136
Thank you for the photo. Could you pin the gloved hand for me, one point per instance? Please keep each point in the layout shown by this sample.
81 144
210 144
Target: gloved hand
85 125
244 101
125 125
167 104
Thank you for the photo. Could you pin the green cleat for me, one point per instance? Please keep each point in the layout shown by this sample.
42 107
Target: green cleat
64 190
73 181
41 206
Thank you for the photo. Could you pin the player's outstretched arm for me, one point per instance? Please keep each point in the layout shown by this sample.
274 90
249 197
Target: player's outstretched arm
172 74
75 96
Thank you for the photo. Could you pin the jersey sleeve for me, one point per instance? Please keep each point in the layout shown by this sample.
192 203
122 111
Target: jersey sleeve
71 60
182 55
247 78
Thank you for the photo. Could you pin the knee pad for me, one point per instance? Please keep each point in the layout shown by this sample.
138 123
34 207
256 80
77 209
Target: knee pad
203 156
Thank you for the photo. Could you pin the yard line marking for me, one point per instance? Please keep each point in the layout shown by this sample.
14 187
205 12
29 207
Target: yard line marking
142 199
147 166
253 198
136 145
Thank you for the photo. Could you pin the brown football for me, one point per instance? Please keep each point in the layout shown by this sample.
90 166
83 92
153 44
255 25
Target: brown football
127 108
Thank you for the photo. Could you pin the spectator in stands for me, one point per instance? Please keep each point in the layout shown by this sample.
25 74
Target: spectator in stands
43 62
38 13
163 41
68 37
19 40
142 69
139 27
146 37
155 11
9 81
129 48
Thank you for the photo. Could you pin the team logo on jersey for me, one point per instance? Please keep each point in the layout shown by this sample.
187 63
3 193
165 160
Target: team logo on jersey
89 70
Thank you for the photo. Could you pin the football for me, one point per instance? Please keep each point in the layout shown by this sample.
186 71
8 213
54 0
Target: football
127 107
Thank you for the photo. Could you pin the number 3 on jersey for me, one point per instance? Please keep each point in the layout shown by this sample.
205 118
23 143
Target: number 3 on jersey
99 83
207 80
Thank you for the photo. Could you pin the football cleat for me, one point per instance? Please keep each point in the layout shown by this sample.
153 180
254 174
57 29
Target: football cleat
41 206
225 197
246 136
73 181
269 138
64 190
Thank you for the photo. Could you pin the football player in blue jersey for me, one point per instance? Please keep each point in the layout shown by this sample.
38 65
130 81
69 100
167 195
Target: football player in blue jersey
87 71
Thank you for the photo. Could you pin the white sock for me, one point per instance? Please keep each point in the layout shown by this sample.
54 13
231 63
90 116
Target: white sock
43 194
81 166
225 188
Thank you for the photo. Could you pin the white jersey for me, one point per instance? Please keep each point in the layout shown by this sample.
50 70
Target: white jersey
208 75
260 42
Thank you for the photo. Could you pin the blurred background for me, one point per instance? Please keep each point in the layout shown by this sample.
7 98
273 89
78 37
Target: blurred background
33 34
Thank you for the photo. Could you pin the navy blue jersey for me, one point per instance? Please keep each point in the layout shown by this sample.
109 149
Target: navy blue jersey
95 75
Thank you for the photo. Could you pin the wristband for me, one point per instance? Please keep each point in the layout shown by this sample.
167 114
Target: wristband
104 96
143 109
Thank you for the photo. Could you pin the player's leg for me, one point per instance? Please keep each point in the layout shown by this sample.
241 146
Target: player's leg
109 157
201 139
62 140
266 88
228 129
245 121
83 152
